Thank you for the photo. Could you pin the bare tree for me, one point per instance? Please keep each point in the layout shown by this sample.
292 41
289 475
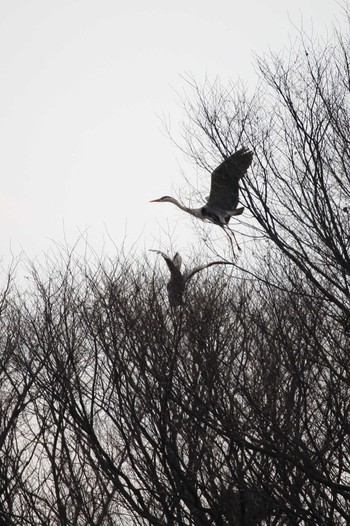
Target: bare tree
228 411
297 123
231 410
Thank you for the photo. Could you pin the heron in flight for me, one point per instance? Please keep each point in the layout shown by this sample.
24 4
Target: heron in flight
224 191
178 280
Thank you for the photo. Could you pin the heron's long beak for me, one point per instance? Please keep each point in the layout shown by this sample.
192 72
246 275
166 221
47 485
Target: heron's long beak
154 201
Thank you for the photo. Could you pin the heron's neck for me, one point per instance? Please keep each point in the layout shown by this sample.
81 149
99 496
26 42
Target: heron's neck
193 211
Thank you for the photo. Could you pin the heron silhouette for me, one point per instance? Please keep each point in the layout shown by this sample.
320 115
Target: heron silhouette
178 280
224 192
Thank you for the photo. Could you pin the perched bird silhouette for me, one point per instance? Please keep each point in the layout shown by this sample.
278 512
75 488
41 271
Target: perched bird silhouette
178 280
224 191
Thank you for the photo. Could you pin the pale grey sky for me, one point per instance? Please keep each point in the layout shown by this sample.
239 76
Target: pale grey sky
82 84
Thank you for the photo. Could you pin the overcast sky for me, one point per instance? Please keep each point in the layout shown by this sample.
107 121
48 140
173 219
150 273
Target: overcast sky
82 86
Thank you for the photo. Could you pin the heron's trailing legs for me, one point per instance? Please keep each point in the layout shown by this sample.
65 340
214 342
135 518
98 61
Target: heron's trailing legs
231 236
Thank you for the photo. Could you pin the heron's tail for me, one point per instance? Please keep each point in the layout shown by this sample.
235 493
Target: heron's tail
238 211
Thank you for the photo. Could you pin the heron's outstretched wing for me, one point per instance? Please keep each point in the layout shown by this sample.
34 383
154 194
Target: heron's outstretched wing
174 264
194 271
167 259
225 180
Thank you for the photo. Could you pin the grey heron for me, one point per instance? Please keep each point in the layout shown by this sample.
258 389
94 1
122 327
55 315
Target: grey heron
224 192
178 280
